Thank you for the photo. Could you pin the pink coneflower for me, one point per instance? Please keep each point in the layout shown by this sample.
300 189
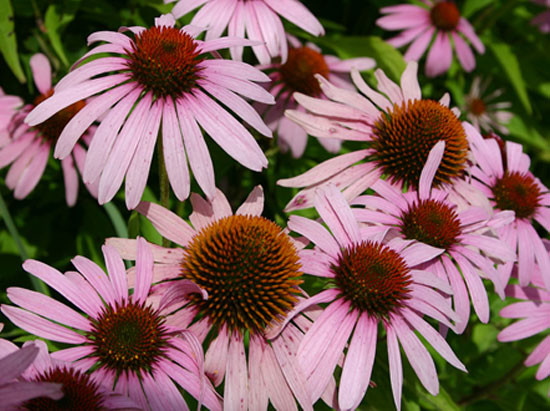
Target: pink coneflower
459 242
13 362
8 107
28 149
533 314
259 19
249 267
399 129
504 177
298 75
370 283
123 341
159 76
542 20
440 20
483 112
79 390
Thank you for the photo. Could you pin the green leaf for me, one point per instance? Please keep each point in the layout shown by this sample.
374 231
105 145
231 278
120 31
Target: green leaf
510 65
8 42
54 23
387 57
471 6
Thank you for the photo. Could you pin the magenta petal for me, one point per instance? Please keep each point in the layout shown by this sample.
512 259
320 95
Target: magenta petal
440 55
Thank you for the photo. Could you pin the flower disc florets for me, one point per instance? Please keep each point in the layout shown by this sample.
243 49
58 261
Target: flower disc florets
164 60
129 337
373 277
404 136
517 192
431 222
298 73
79 392
249 268
445 15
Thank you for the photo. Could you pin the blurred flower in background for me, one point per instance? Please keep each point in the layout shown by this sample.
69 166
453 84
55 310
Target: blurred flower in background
542 20
257 20
441 21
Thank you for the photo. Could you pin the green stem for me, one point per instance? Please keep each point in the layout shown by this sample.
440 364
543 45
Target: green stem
116 219
37 284
164 184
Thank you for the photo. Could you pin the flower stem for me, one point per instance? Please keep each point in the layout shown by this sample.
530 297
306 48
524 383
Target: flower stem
37 284
164 184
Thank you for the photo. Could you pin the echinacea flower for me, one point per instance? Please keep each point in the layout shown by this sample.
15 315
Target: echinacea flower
158 76
503 176
460 242
483 112
29 148
369 283
437 20
533 313
249 267
259 19
542 20
8 107
13 390
123 340
298 74
79 390
399 128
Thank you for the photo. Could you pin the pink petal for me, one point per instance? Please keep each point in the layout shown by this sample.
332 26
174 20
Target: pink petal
396 369
315 232
430 169
254 203
418 47
466 28
167 223
440 55
296 13
41 72
464 53
236 379
258 397
216 357
14 364
117 272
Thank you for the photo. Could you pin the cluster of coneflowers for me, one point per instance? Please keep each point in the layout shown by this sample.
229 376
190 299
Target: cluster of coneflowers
414 228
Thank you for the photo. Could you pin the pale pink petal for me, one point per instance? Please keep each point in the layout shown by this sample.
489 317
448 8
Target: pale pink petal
466 28
92 68
254 203
419 45
440 55
13 365
396 369
258 398
216 357
464 53
117 272
430 169
315 232
184 7
33 172
167 223
236 377
296 13
460 295
41 72
524 329
278 390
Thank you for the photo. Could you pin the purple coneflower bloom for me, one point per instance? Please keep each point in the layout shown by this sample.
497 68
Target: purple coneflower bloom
399 129
160 76
8 107
250 269
79 390
502 174
483 112
14 390
259 19
28 149
542 20
123 340
298 75
459 241
370 283
533 313
440 20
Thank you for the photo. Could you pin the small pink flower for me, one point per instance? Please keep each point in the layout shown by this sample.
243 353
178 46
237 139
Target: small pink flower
542 20
503 176
28 148
79 390
123 340
397 127
259 19
371 283
298 75
8 108
461 243
14 390
533 314
158 76
250 269
440 20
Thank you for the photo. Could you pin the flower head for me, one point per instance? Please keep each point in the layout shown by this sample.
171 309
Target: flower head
124 341
259 19
503 176
28 148
250 269
438 20
158 76
399 130
370 282
15 390
481 110
298 75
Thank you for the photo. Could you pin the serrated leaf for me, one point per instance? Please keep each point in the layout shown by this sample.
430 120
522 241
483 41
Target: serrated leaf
510 65
8 41
387 57
54 23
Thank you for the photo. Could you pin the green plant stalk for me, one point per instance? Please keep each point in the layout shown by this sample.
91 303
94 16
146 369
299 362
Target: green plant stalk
164 184
37 284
